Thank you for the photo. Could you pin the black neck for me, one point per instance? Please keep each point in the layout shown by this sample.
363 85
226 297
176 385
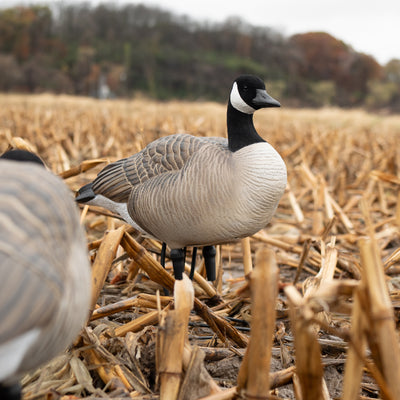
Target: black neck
241 131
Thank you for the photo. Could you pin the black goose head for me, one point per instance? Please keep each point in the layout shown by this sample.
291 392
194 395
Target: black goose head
21 155
248 95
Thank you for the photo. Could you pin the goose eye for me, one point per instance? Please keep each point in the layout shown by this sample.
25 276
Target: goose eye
245 88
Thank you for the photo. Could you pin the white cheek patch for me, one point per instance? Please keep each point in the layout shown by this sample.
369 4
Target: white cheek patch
238 102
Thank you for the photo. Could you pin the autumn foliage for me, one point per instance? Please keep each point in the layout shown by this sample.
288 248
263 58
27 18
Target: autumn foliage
139 50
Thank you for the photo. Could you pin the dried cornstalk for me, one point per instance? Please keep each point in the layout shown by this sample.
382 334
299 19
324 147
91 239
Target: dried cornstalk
308 177
326 272
397 215
153 269
109 367
82 167
303 257
342 216
154 299
354 364
323 196
329 296
392 259
171 338
289 247
328 227
264 289
314 258
197 382
22 144
328 204
227 394
282 377
102 263
318 214
140 301
219 325
276 379
382 199
385 177
210 290
313 285
150 318
297 387
308 352
218 261
113 308
247 263
107 373
82 218
81 374
382 336
298 213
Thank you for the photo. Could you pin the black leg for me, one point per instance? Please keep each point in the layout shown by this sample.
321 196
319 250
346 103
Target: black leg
193 264
162 256
209 253
12 392
178 262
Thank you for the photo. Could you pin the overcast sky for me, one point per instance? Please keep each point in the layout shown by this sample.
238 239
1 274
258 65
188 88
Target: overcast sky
369 26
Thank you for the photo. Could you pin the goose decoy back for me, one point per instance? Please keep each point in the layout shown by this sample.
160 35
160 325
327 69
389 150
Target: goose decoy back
44 269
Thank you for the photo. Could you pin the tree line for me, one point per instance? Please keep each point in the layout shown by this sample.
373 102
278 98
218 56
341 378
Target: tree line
129 50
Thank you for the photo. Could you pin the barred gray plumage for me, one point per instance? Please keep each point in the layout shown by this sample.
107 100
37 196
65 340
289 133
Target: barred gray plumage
186 190
44 268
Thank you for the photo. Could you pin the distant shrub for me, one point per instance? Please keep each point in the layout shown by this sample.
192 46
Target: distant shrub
381 94
321 93
10 73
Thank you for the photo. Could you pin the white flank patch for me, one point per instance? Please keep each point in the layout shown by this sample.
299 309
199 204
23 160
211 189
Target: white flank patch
238 102
119 208
13 351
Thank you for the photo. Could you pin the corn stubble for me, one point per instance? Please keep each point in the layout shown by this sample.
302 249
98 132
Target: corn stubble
318 287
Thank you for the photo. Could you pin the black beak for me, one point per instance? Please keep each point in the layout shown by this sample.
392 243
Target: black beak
263 99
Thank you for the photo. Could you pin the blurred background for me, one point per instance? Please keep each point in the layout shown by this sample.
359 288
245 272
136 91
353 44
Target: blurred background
310 53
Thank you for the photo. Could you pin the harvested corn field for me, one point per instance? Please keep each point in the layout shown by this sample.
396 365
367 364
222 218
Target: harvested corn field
312 299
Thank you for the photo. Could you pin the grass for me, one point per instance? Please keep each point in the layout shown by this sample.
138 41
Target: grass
335 238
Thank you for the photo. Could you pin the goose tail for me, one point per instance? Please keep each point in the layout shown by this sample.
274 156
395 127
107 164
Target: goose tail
85 194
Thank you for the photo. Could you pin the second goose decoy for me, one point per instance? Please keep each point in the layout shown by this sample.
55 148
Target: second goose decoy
44 268
198 191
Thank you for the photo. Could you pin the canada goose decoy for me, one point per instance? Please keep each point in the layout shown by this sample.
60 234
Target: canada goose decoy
22 155
44 268
198 191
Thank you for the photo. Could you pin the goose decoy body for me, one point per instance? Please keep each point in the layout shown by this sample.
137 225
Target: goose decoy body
44 268
198 191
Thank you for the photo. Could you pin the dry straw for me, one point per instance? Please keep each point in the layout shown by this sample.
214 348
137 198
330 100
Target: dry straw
338 260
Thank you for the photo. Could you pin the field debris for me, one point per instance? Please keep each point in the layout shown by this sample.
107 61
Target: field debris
307 308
